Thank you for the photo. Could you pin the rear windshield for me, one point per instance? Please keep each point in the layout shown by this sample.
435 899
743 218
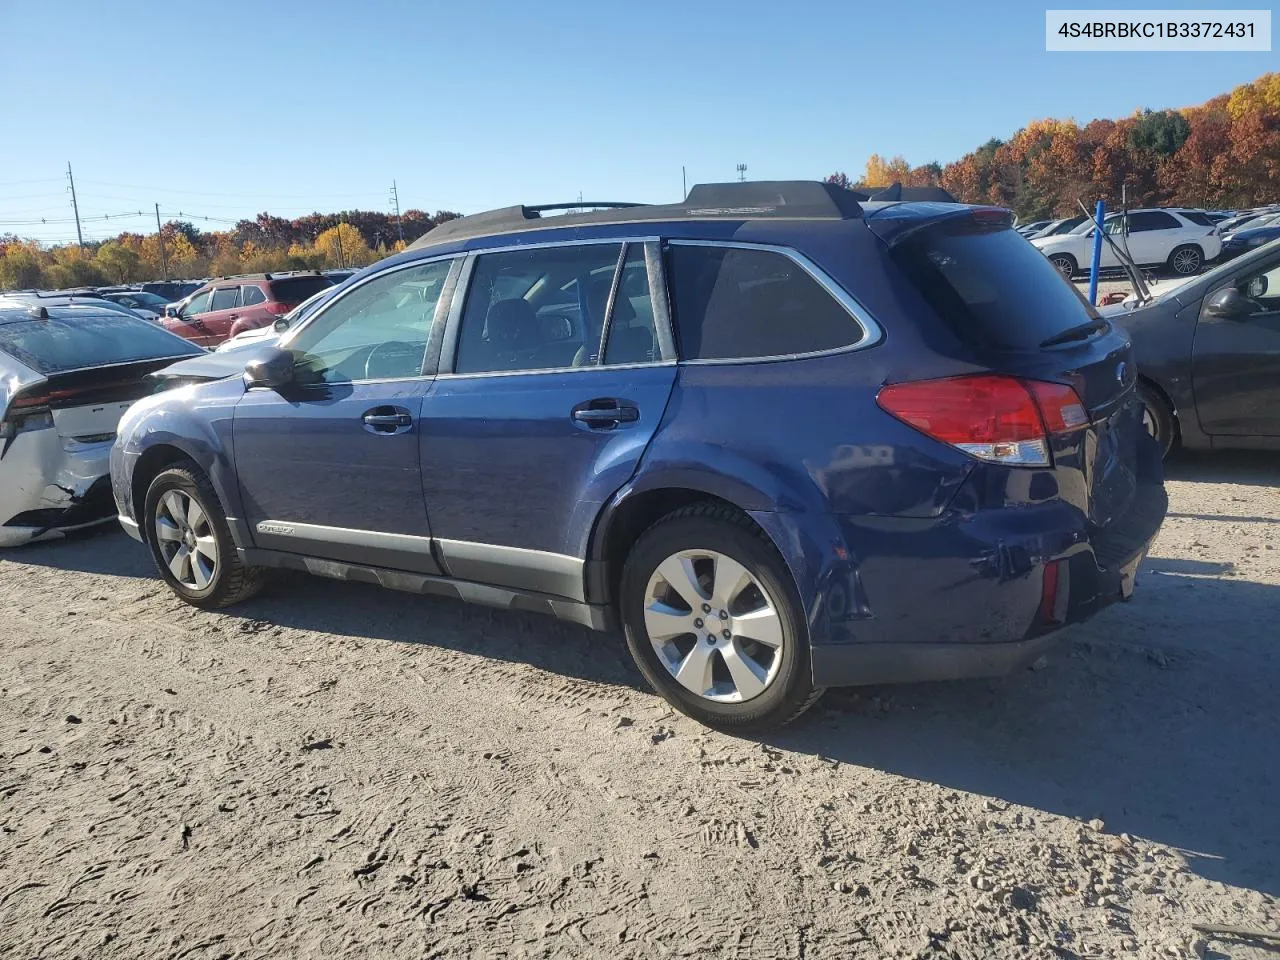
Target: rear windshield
56 346
990 285
297 289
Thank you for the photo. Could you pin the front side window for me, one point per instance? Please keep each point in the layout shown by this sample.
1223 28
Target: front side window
537 309
377 331
224 298
198 304
1262 286
737 303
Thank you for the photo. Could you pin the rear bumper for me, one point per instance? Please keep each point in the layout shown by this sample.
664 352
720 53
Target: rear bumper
51 484
993 622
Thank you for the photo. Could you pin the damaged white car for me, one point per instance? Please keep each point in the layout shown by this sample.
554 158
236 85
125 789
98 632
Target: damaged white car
68 371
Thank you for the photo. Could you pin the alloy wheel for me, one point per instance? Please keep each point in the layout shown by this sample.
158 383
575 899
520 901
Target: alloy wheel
713 626
1186 261
186 540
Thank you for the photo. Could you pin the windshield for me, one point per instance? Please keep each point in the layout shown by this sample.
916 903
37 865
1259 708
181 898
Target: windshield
57 345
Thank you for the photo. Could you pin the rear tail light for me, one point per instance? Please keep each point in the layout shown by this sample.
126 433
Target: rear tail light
993 417
276 308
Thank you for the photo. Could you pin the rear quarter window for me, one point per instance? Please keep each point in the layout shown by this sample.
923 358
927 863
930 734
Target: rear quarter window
1197 218
737 303
989 285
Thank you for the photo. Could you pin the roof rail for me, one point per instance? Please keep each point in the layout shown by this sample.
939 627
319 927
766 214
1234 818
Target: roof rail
743 200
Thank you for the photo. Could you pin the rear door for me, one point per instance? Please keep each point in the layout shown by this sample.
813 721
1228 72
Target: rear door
1152 236
1236 363
328 466
560 365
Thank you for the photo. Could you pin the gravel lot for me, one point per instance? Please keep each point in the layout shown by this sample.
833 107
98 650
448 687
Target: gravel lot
333 770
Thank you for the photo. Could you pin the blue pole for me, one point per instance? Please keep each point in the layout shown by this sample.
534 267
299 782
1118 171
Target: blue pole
1100 216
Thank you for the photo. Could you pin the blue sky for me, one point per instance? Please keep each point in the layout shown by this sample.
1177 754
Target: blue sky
229 109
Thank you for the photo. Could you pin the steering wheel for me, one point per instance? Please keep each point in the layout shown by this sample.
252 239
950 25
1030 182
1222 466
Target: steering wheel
393 358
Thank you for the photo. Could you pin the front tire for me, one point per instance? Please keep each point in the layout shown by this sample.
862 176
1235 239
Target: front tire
713 621
1065 264
191 543
1186 260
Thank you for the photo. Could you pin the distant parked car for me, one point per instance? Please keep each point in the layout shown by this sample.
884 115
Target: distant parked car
1207 354
147 305
231 305
786 440
1032 228
68 369
1065 225
1255 234
290 320
1183 241
168 290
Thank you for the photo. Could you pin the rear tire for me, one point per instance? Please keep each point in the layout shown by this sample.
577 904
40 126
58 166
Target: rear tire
1186 260
191 543
1065 264
707 662
1158 418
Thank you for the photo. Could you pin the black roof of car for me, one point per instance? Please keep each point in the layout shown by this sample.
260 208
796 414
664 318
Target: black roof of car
745 200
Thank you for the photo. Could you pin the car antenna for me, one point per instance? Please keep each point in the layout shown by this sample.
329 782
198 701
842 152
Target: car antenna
1135 276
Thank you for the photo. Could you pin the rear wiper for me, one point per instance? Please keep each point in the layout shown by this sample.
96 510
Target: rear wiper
1081 331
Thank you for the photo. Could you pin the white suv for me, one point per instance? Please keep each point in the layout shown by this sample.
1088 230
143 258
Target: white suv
1182 240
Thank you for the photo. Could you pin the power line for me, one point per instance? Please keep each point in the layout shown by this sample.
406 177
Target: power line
14 183
214 193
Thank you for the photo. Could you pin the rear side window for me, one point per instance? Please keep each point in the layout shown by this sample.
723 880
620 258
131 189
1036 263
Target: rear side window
992 287
296 289
251 295
224 298
735 303
55 346
1152 220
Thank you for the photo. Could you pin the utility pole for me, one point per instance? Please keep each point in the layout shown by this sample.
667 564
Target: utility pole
684 183
395 200
74 206
164 261
742 172
342 257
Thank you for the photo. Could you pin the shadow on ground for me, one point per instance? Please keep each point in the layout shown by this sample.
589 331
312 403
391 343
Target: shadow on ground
1159 716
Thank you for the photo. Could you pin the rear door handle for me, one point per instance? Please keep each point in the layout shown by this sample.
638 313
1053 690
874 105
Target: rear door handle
387 420
598 416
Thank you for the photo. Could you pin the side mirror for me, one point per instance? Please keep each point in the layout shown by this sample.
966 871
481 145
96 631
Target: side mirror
1229 304
280 326
272 370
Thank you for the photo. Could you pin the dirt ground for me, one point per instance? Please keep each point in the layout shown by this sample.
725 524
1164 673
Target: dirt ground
333 770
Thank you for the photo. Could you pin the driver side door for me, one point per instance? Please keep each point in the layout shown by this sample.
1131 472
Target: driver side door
328 466
1236 362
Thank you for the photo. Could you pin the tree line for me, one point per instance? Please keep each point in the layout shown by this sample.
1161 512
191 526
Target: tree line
1223 153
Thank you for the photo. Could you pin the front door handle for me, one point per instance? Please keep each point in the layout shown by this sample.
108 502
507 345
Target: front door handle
387 420
605 414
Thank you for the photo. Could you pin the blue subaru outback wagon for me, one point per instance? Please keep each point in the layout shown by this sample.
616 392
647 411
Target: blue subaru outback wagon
783 439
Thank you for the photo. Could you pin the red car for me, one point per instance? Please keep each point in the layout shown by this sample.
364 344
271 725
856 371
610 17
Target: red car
230 305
